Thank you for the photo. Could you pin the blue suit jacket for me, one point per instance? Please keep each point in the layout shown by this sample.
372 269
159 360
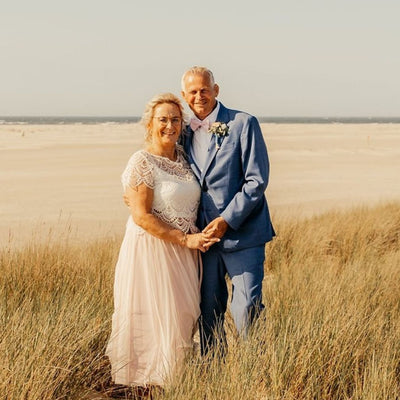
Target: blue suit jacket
234 180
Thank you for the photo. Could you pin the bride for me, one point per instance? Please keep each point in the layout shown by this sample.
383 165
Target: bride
156 288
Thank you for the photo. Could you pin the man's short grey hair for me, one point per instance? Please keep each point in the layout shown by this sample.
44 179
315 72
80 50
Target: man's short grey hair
197 71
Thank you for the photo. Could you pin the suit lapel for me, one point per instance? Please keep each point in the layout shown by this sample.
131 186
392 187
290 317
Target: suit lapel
187 146
223 116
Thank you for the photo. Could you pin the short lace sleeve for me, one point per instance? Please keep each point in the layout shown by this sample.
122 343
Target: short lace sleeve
139 170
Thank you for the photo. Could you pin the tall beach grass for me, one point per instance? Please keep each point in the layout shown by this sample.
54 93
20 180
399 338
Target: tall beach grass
331 328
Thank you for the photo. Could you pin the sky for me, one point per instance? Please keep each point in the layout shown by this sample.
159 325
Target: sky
311 58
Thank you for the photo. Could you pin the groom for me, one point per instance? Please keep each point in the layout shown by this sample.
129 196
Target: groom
232 167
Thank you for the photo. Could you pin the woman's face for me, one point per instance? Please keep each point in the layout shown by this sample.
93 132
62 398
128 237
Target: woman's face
166 125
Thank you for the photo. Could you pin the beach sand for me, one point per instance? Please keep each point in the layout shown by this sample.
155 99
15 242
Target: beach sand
66 178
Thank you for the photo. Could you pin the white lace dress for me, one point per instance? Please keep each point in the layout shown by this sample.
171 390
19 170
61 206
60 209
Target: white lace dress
156 288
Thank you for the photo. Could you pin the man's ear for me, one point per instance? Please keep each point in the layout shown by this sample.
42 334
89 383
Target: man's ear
216 90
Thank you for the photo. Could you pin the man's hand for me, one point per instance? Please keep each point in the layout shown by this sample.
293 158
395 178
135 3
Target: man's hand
216 228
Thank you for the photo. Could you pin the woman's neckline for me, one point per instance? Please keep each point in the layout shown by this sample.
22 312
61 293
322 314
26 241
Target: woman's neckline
164 157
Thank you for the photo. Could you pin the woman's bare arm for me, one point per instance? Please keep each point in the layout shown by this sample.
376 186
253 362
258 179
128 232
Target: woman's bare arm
140 202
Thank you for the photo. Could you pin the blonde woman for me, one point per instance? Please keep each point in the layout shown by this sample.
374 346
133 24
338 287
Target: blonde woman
156 289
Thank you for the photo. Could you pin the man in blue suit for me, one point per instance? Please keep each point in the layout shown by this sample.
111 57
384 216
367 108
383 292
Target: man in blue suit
227 153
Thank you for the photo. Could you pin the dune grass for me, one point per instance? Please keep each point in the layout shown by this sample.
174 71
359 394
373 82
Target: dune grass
331 329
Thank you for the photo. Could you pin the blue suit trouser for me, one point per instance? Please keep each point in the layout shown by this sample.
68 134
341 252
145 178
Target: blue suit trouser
245 268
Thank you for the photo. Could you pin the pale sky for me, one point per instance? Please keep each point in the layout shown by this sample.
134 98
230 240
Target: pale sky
270 58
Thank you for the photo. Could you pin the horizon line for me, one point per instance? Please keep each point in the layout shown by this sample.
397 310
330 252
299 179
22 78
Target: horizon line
259 116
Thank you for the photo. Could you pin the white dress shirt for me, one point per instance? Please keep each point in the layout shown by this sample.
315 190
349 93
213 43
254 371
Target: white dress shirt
201 140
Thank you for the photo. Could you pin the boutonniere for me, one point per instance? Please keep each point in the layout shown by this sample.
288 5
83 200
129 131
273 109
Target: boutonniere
219 130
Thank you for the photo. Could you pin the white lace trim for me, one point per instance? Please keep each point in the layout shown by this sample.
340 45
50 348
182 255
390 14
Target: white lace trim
181 223
138 171
176 191
141 166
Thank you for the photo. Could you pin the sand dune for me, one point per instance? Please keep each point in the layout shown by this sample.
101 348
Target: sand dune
58 177
318 167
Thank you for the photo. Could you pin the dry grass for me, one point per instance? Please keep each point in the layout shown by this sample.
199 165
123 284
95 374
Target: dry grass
331 329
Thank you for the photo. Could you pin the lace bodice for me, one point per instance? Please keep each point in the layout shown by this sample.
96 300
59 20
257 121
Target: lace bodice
176 190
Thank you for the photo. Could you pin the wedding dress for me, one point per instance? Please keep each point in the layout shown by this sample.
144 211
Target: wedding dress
156 287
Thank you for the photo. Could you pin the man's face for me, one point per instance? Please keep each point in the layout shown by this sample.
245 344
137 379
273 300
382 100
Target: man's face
199 94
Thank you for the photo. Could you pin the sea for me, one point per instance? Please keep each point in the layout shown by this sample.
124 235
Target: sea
82 120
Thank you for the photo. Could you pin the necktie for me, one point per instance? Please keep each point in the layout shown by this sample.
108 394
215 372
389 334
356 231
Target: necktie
196 124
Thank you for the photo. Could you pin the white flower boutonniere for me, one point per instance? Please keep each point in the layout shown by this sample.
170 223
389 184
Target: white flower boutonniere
219 130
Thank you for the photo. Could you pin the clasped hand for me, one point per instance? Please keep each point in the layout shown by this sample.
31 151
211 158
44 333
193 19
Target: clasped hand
203 240
216 228
211 234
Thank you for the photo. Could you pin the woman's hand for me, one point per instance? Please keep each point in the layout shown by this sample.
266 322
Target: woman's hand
200 241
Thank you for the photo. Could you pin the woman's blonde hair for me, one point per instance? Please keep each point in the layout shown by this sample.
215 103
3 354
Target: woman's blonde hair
148 114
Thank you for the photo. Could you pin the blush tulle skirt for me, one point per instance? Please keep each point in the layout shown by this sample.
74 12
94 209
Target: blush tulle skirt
156 308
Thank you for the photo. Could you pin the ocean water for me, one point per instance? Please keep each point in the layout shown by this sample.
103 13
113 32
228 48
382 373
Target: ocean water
27 120
43 120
